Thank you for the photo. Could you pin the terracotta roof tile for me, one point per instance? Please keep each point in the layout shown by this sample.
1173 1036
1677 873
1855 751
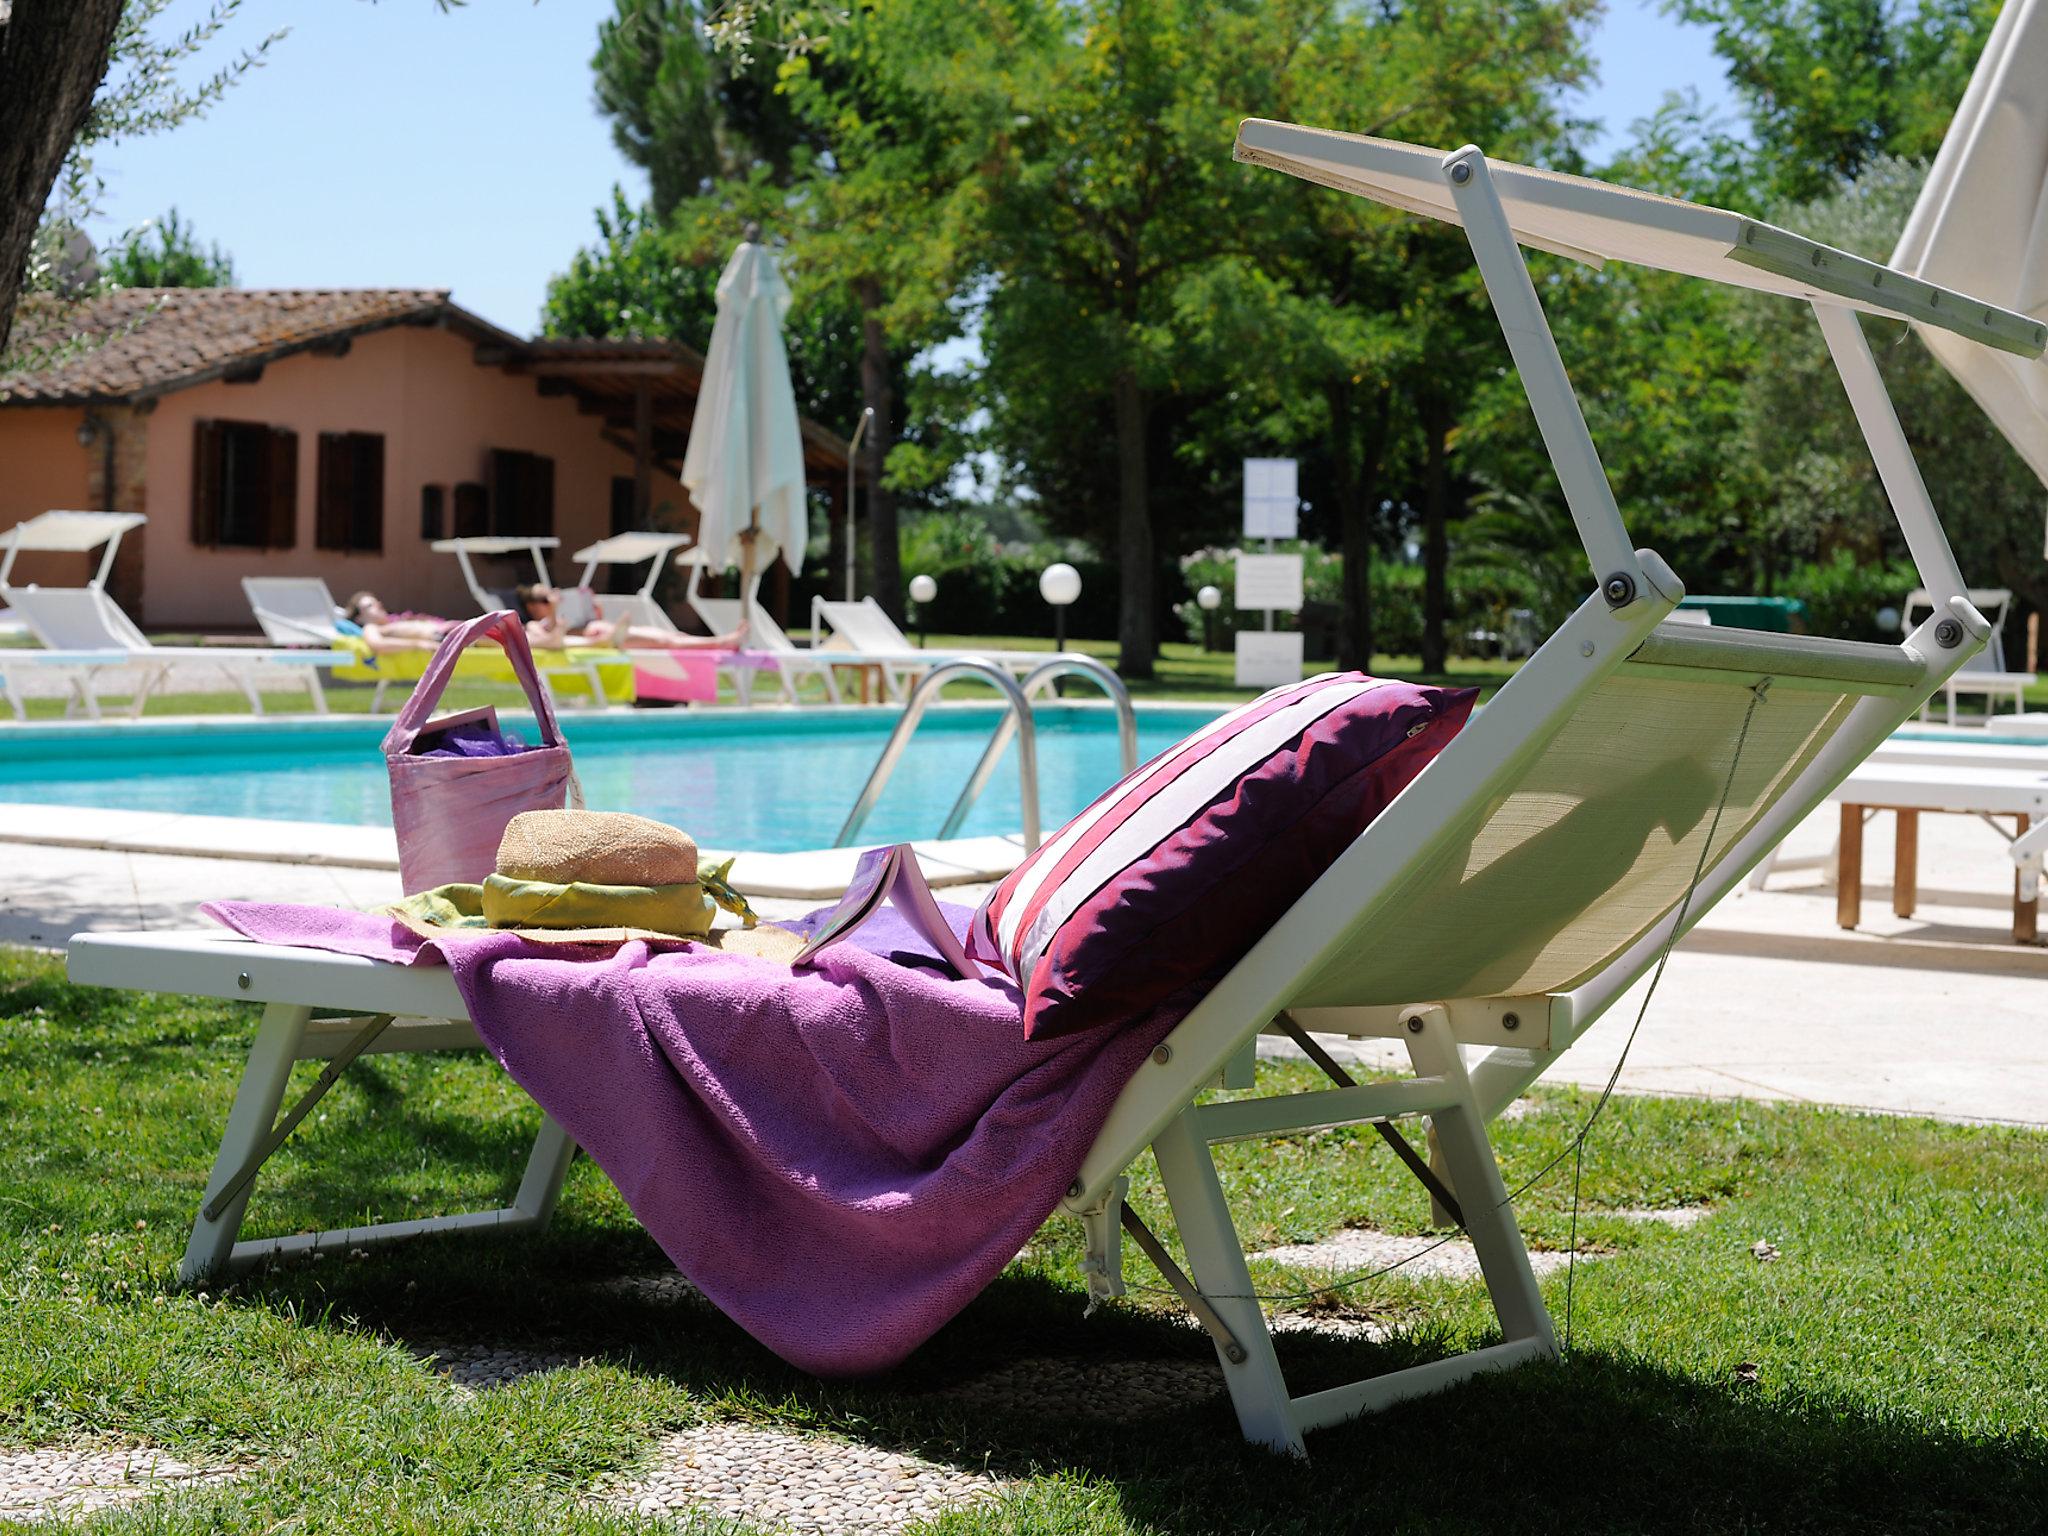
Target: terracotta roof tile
143 341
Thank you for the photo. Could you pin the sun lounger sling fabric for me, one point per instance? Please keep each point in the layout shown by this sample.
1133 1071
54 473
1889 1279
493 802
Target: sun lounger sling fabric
840 1157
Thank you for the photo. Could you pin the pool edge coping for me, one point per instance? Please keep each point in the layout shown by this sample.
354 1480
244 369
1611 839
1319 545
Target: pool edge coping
814 873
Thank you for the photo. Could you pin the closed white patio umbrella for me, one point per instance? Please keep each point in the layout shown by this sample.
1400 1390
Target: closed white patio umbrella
1981 224
744 467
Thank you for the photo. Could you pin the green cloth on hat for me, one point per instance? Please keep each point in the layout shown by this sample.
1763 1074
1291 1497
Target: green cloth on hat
501 903
683 910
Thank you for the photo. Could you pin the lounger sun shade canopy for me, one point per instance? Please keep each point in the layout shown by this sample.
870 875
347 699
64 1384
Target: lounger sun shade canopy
1595 221
72 532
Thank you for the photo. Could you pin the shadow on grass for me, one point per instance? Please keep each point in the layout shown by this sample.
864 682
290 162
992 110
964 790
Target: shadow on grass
1019 1385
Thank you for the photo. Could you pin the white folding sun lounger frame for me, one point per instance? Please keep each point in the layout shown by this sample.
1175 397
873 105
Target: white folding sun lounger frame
1549 855
535 547
1986 672
641 609
1636 728
862 633
293 610
84 631
722 614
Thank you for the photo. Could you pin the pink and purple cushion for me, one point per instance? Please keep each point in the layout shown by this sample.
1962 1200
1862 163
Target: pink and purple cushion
1173 874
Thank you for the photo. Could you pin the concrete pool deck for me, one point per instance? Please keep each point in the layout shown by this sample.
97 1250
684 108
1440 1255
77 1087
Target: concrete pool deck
1940 1014
816 874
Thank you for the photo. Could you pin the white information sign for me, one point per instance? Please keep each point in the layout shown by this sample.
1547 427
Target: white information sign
1272 503
1268 658
1269 581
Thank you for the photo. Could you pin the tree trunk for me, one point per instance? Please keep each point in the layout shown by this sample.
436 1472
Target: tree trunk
1134 622
1357 490
878 393
53 54
1436 552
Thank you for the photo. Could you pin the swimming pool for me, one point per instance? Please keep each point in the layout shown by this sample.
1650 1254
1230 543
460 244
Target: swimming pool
771 782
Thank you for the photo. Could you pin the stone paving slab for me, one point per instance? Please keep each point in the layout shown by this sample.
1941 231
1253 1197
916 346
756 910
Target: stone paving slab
66 1482
802 1484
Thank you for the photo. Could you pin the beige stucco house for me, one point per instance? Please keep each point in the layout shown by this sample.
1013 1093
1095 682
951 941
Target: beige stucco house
335 432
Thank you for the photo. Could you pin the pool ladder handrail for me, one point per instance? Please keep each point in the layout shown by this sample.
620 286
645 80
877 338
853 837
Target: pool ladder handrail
1017 721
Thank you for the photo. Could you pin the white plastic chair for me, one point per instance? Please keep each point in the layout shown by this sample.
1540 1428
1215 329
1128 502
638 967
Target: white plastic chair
84 630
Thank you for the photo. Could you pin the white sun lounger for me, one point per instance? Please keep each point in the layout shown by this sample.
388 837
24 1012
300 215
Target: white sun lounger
1985 673
84 632
721 615
642 610
863 633
1615 788
293 610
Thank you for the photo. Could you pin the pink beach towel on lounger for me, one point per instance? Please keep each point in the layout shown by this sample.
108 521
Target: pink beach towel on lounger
840 1158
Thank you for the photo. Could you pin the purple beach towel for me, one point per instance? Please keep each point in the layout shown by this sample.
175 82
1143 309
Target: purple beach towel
840 1157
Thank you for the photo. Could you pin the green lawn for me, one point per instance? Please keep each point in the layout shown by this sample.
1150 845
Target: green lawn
1896 1341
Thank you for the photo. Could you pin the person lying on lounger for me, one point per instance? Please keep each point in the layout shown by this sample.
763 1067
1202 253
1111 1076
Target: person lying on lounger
546 628
383 630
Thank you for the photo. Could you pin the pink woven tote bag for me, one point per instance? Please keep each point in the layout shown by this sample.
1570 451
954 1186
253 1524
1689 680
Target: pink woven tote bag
450 812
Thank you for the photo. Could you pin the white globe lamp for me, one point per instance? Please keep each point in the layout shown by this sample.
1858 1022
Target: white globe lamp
922 590
1059 584
1209 599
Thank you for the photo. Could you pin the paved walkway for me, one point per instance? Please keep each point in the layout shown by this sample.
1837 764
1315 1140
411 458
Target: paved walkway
1940 1014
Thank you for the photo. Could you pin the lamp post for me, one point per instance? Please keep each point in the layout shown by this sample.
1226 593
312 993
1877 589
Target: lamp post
922 590
1209 599
1059 585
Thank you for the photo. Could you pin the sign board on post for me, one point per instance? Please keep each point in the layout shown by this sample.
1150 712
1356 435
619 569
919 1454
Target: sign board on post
1268 658
1269 581
1272 505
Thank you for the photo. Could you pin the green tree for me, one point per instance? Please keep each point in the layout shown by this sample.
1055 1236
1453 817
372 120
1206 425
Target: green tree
1829 84
166 253
688 113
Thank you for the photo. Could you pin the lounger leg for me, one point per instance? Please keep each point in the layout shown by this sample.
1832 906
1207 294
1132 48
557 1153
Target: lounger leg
313 686
2025 908
1216 1258
546 1167
1849 868
1906 863
1489 1219
271 1056
247 682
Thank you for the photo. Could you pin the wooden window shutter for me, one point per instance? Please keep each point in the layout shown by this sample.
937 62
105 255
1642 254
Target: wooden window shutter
472 510
208 450
283 522
543 494
433 511
334 494
366 531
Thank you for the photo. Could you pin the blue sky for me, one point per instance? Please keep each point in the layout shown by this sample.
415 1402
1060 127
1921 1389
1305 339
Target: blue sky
392 144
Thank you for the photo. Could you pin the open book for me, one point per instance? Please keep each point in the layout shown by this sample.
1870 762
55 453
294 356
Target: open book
890 874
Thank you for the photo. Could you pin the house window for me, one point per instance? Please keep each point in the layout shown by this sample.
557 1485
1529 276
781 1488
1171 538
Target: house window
245 485
433 511
472 511
350 512
623 520
522 492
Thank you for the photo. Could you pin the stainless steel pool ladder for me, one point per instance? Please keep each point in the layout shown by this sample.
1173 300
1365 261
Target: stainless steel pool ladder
1017 721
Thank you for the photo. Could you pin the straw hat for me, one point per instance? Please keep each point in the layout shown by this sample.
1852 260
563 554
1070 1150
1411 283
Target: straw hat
596 877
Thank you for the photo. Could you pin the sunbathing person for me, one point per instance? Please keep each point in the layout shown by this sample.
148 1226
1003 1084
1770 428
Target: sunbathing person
546 628
383 630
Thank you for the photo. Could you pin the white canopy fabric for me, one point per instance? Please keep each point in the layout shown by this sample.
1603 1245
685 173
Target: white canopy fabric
72 532
1982 221
1595 221
746 456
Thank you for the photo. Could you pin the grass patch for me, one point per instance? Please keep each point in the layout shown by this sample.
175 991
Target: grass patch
1898 1383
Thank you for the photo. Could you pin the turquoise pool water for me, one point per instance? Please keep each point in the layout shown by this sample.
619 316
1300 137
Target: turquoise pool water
770 782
